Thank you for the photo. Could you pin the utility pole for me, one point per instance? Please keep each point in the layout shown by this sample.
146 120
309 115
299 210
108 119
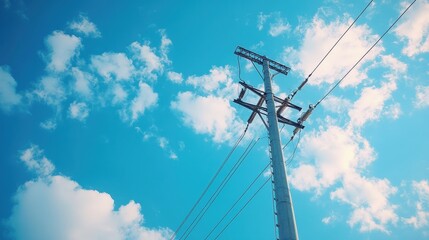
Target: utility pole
286 224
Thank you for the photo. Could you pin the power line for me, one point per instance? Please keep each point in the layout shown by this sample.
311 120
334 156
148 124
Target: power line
360 14
379 39
238 200
219 189
242 208
330 50
289 161
210 183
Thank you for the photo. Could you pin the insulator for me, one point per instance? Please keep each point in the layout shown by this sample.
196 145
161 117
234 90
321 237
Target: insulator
302 84
306 114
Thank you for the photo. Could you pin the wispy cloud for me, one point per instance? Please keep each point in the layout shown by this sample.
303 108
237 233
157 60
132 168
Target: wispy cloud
9 98
84 26
422 97
279 27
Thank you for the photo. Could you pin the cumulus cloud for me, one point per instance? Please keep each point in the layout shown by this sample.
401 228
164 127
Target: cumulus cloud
84 83
370 104
208 115
422 97
153 63
34 160
175 77
78 111
218 82
351 153
62 48
340 156
369 198
146 98
279 27
421 219
115 66
9 98
50 90
319 36
84 26
55 207
414 28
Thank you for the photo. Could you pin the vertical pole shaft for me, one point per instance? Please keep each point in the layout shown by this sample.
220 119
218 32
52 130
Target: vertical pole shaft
285 215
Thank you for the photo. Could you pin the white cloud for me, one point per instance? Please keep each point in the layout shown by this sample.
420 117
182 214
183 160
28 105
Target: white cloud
50 90
49 124
369 198
414 28
83 83
319 37
153 63
394 64
175 77
119 94
83 25
279 27
370 104
146 98
422 97
262 18
328 219
421 219
78 111
163 142
9 98
62 48
55 207
165 46
208 115
336 104
113 65
35 161
304 177
393 111
352 153
58 208
219 80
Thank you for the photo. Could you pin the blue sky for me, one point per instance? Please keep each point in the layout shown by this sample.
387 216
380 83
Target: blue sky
114 116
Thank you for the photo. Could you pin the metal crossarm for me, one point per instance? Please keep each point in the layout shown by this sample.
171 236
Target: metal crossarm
254 57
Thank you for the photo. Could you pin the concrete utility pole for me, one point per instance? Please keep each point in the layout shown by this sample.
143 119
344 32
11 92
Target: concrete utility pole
285 214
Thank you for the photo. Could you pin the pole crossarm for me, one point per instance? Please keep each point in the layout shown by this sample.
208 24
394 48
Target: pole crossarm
254 57
259 109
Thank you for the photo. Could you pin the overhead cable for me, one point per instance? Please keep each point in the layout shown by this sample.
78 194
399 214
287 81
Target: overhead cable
366 53
242 208
219 189
237 201
210 183
330 50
